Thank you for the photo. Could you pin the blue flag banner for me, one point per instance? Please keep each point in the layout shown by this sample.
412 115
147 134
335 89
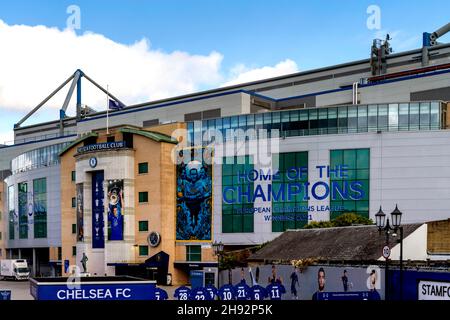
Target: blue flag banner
98 240
114 105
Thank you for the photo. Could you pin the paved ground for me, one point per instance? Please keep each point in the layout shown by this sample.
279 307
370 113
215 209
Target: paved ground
20 290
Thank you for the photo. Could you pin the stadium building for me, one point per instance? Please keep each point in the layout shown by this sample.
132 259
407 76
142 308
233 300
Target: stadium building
175 175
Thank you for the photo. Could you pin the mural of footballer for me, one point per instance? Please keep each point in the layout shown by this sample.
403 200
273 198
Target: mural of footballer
115 210
194 191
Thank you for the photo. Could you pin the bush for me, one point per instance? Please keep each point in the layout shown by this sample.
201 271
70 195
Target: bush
319 224
346 219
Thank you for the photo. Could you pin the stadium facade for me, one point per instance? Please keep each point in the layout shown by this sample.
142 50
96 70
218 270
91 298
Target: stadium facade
150 194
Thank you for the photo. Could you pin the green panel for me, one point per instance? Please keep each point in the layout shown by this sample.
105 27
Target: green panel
248 223
336 157
363 158
349 159
237 223
227 223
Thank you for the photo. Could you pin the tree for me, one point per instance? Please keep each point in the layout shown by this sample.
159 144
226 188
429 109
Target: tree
346 219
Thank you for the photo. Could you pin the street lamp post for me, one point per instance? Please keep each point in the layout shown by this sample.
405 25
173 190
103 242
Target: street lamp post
218 249
383 225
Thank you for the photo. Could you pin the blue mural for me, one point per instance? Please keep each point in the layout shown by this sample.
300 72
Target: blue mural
194 196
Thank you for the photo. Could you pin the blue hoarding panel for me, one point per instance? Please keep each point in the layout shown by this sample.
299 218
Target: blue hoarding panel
5 294
196 278
93 291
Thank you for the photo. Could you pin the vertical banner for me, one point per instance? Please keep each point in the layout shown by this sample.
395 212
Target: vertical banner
115 210
98 239
80 213
194 195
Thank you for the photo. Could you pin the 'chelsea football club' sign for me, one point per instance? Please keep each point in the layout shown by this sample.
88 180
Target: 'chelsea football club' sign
102 146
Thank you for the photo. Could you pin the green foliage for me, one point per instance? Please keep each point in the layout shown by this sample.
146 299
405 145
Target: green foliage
319 224
346 219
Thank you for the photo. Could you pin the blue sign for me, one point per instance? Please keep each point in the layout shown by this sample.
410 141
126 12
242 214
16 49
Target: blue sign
93 291
98 239
5 294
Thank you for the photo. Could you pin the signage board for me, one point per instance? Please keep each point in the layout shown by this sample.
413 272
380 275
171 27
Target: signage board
433 290
94 288
102 146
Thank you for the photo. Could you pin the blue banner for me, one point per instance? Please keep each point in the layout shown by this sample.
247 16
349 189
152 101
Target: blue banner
107 291
5 294
98 239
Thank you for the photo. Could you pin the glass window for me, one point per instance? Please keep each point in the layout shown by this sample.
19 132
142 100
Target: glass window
143 251
424 116
73 175
74 202
393 117
74 228
342 120
11 210
40 207
403 116
23 210
143 167
358 164
193 253
362 118
143 225
372 118
143 197
237 215
414 116
383 117
332 120
74 251
290 213
352 119
434 115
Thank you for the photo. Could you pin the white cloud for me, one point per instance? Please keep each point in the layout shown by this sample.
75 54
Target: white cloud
7 136
34 60
242 74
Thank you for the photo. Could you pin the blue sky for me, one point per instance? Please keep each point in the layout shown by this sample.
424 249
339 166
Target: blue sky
247 34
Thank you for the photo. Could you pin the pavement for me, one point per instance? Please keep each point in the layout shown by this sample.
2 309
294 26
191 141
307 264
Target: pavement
20 290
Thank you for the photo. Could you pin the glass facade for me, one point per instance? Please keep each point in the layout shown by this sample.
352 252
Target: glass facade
23 210
293 213
46 156
237 216
11 210
329 120
40 207
357 162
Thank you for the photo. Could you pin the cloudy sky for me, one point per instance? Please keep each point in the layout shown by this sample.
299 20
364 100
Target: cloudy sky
147 50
